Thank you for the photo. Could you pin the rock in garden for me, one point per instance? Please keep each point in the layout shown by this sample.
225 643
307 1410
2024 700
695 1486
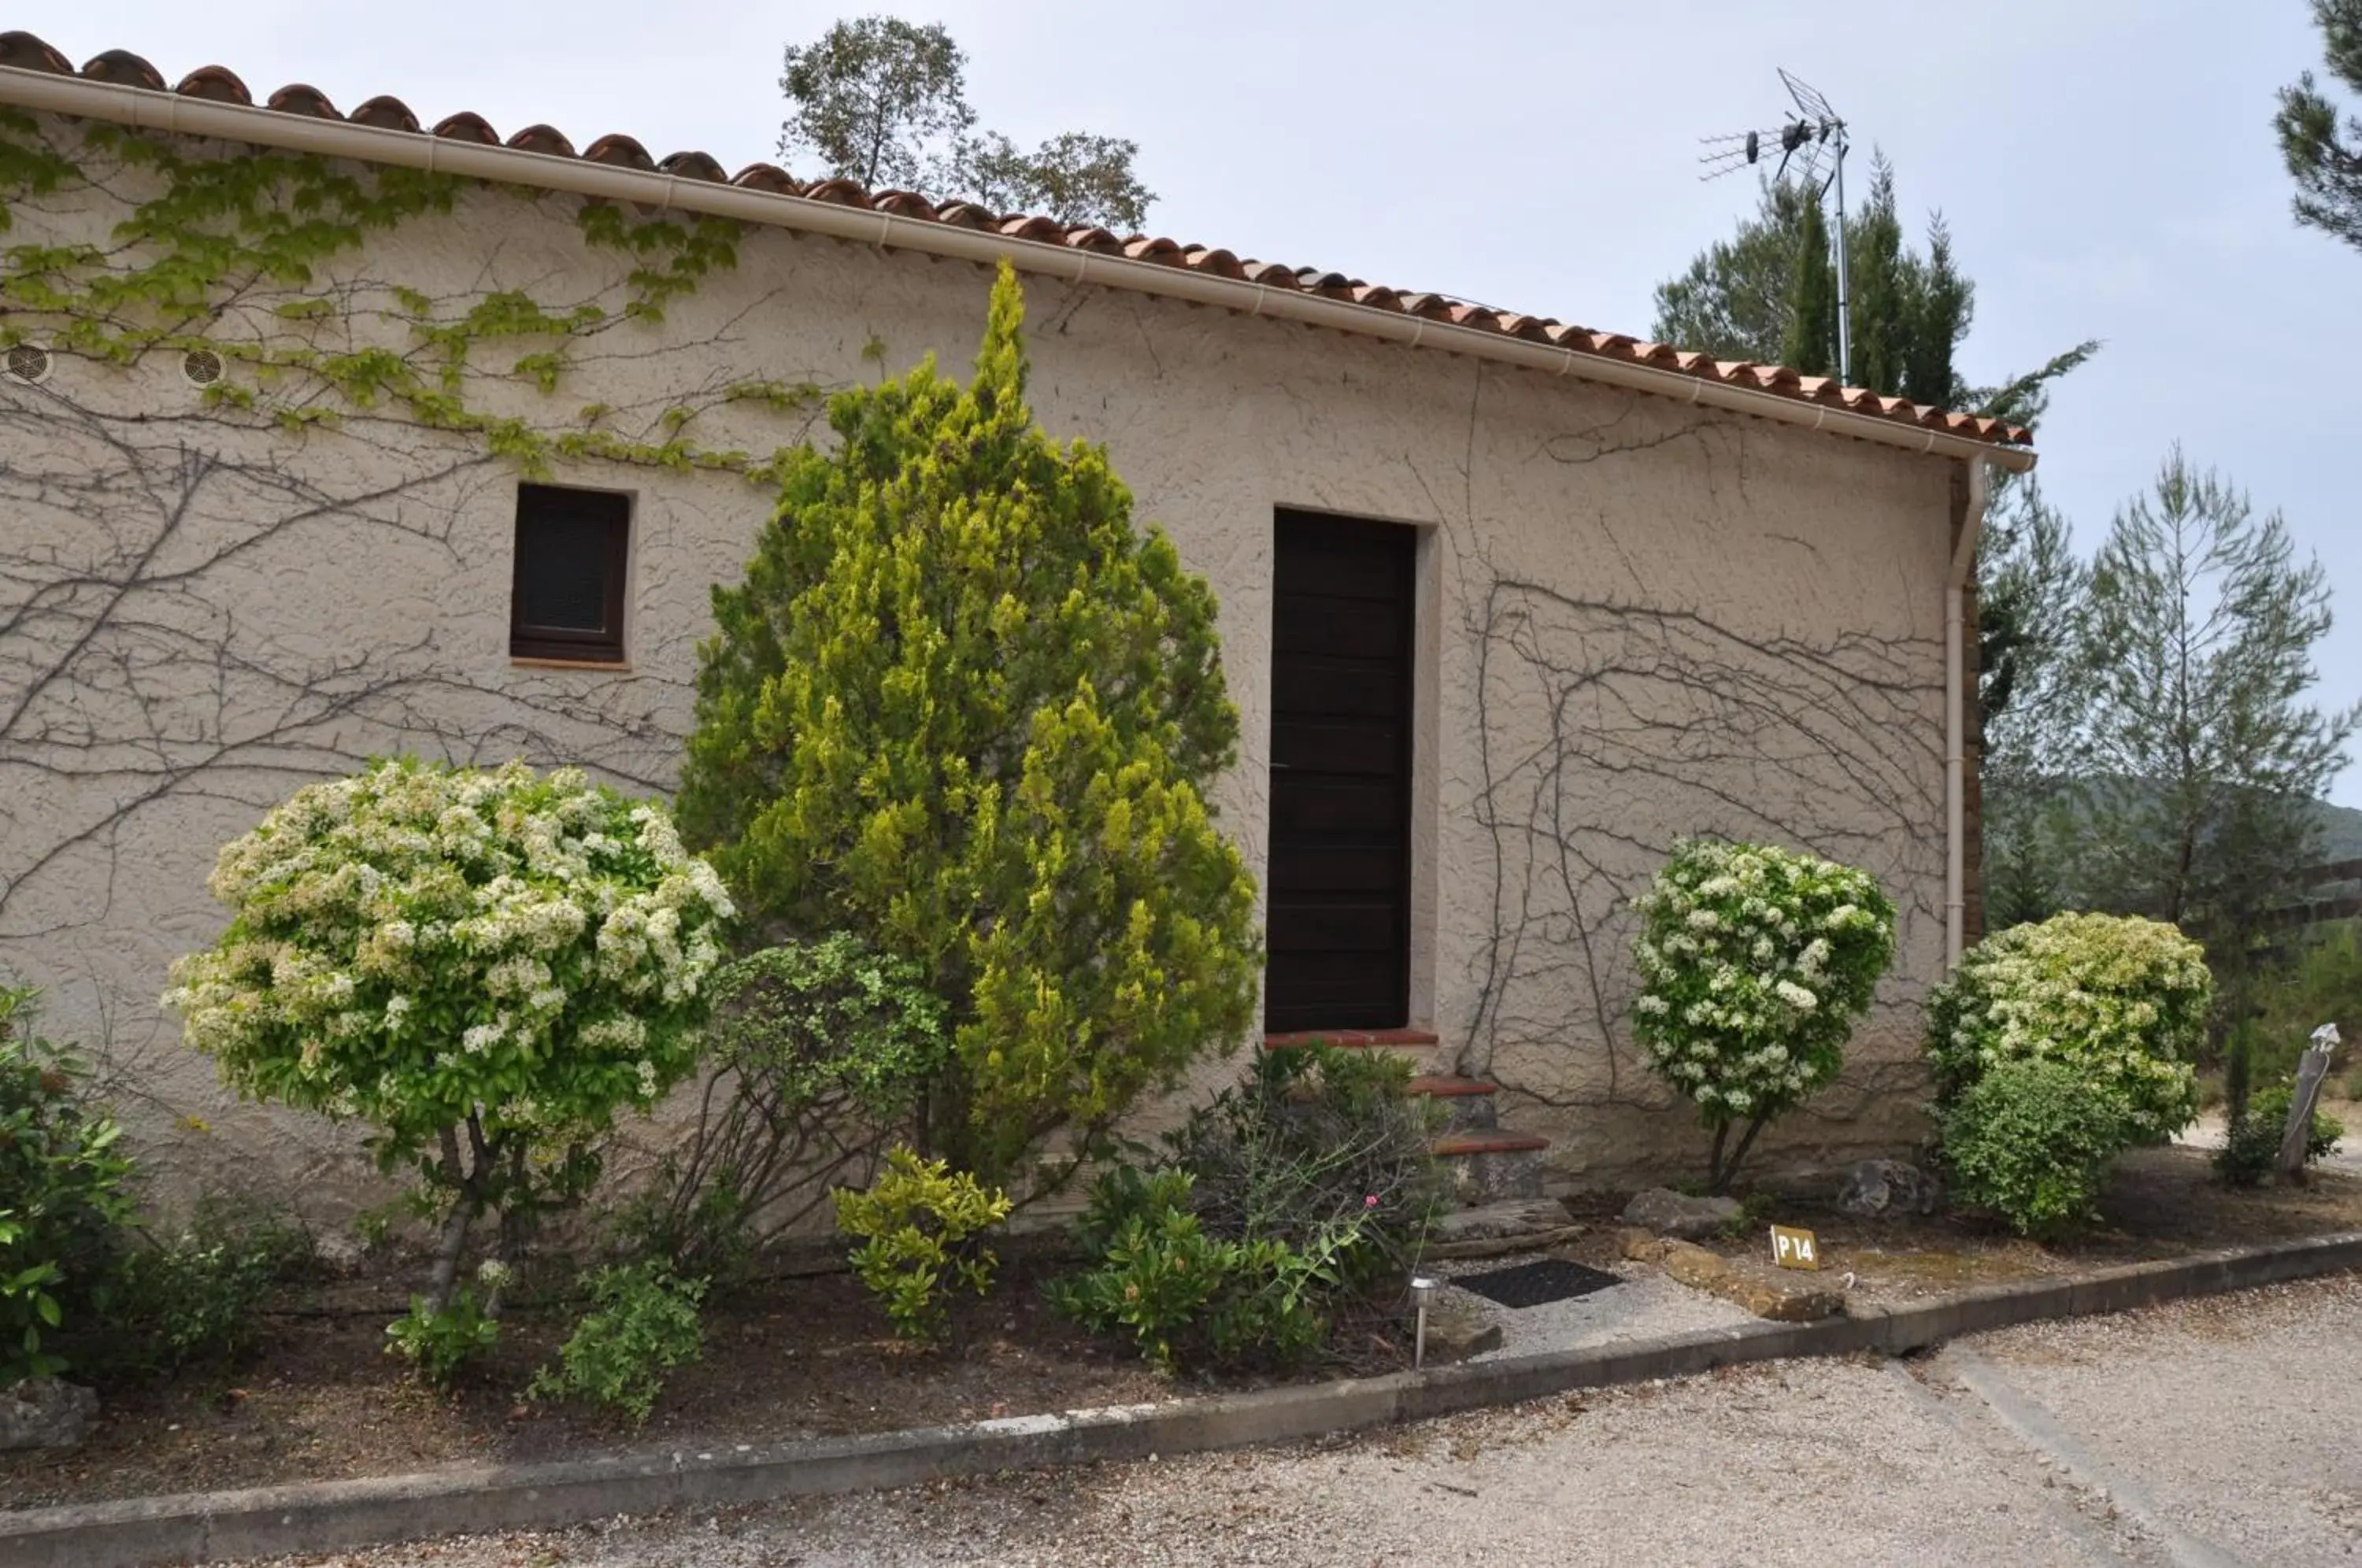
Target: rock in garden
1669 1213
1455 1333
45 1412
1887 1189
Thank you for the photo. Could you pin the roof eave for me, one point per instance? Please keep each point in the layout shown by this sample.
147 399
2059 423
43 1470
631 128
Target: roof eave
148 109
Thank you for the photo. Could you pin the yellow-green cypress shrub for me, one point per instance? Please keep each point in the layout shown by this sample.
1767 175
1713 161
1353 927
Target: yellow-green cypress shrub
961 707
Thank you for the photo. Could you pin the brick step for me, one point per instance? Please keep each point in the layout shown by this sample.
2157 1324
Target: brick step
1355 1039
1488 1164
1468 1103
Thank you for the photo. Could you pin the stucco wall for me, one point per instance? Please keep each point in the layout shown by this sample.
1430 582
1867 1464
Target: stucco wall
1637 619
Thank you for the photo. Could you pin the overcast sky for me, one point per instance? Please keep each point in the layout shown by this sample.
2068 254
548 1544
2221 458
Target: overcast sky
2108 166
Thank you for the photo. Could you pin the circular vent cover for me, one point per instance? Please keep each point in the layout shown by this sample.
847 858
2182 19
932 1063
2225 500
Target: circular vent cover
202 367
29 363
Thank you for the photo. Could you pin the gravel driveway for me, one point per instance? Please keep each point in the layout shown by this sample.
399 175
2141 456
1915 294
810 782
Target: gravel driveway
2212 1432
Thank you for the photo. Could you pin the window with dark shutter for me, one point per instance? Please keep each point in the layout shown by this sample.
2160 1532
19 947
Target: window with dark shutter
572 547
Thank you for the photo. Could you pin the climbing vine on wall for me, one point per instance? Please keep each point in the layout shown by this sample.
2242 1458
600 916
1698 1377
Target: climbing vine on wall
208 597
226 253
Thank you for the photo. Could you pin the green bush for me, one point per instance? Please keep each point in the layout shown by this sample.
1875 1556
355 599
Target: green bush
2120 1001
485 967
1189 1298
1755 963
962 708
1313 1138
2033 1140
1307 1184
919 1224
819 1054
442 1341
62 1196
643 1324
192 1298
2251 1146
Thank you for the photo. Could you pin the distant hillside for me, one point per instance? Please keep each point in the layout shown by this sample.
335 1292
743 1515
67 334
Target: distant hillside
2341 832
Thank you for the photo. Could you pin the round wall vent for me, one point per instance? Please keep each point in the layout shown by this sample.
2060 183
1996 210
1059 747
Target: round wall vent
29 363
202 367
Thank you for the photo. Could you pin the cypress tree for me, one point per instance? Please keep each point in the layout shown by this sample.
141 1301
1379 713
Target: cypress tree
960 707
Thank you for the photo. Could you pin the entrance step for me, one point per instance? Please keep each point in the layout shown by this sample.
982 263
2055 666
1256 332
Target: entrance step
1416 1046
1496 1230
1489 1165
1467 1103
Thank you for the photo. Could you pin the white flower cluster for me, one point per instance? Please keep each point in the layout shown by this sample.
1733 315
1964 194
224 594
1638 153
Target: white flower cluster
415 941
1754 961
2123 1001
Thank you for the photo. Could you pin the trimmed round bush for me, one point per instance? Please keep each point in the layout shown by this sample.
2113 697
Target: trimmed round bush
1755 962
484 968
2120 1000
2032 1142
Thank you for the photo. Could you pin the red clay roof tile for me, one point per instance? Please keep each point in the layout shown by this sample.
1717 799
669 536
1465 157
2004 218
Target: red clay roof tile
23 51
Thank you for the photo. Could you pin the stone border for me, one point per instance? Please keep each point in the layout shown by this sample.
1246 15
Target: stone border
329 1515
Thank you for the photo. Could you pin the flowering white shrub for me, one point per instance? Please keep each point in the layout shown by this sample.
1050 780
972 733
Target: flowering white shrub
2121 1001
485 967
1755 962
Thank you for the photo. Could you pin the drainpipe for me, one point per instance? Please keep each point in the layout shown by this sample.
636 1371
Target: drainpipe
1957 698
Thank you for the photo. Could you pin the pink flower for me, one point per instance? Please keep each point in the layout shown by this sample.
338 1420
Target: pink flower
1370 1201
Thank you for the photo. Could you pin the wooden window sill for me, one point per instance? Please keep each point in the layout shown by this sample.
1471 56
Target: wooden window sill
606 667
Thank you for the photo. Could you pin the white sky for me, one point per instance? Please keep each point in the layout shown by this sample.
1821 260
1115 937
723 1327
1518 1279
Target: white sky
2108 166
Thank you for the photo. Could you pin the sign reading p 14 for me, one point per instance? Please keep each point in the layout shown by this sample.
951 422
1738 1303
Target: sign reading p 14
1793 1248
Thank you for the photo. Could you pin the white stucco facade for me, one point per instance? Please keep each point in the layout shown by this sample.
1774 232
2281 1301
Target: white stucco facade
1637 620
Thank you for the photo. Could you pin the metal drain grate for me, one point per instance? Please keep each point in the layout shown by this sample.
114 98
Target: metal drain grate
1532 1284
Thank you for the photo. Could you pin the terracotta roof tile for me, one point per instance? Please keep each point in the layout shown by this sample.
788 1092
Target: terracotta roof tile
386 113
23 51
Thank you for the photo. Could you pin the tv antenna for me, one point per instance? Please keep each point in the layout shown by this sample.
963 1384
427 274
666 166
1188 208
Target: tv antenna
1810 139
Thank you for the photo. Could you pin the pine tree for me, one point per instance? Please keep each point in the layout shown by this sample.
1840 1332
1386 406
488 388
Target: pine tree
2200 764
960 708
2324 152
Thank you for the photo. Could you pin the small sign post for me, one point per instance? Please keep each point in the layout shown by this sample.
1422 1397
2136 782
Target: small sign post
1793 1248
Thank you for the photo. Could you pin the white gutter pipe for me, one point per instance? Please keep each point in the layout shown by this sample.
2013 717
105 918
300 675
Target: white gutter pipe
1957 698
172 112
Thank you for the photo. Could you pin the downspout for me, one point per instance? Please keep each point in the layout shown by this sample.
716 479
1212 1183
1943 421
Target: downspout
1957 698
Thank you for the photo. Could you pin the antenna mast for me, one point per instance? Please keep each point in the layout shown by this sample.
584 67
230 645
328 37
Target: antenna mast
1813 132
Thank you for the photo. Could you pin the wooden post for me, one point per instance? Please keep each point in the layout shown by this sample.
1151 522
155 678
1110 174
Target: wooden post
2312 1067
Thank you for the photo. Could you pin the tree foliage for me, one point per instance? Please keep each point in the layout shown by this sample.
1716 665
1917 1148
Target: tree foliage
960 708
884 102
2323 147
2200 761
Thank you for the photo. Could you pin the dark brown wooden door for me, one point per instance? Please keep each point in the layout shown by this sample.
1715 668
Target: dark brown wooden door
1339 892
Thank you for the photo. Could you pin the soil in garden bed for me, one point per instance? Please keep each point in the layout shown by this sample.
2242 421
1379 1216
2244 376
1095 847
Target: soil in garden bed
794 1358
2161 1203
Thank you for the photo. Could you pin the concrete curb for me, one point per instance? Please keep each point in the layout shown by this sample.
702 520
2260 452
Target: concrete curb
335 1515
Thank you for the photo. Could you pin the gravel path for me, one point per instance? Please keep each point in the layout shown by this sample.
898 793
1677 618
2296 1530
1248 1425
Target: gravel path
2213 1432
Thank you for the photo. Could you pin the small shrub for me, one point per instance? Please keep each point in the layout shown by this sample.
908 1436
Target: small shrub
192 1298
2251 1146
2121 1001
643 1324
918 1223
1755 962
63 1202
1303 1186
819 1055
1187 1298
1313 1138
441 1340
2034 1142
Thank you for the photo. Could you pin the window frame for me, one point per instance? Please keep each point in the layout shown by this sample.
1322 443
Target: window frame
607 508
